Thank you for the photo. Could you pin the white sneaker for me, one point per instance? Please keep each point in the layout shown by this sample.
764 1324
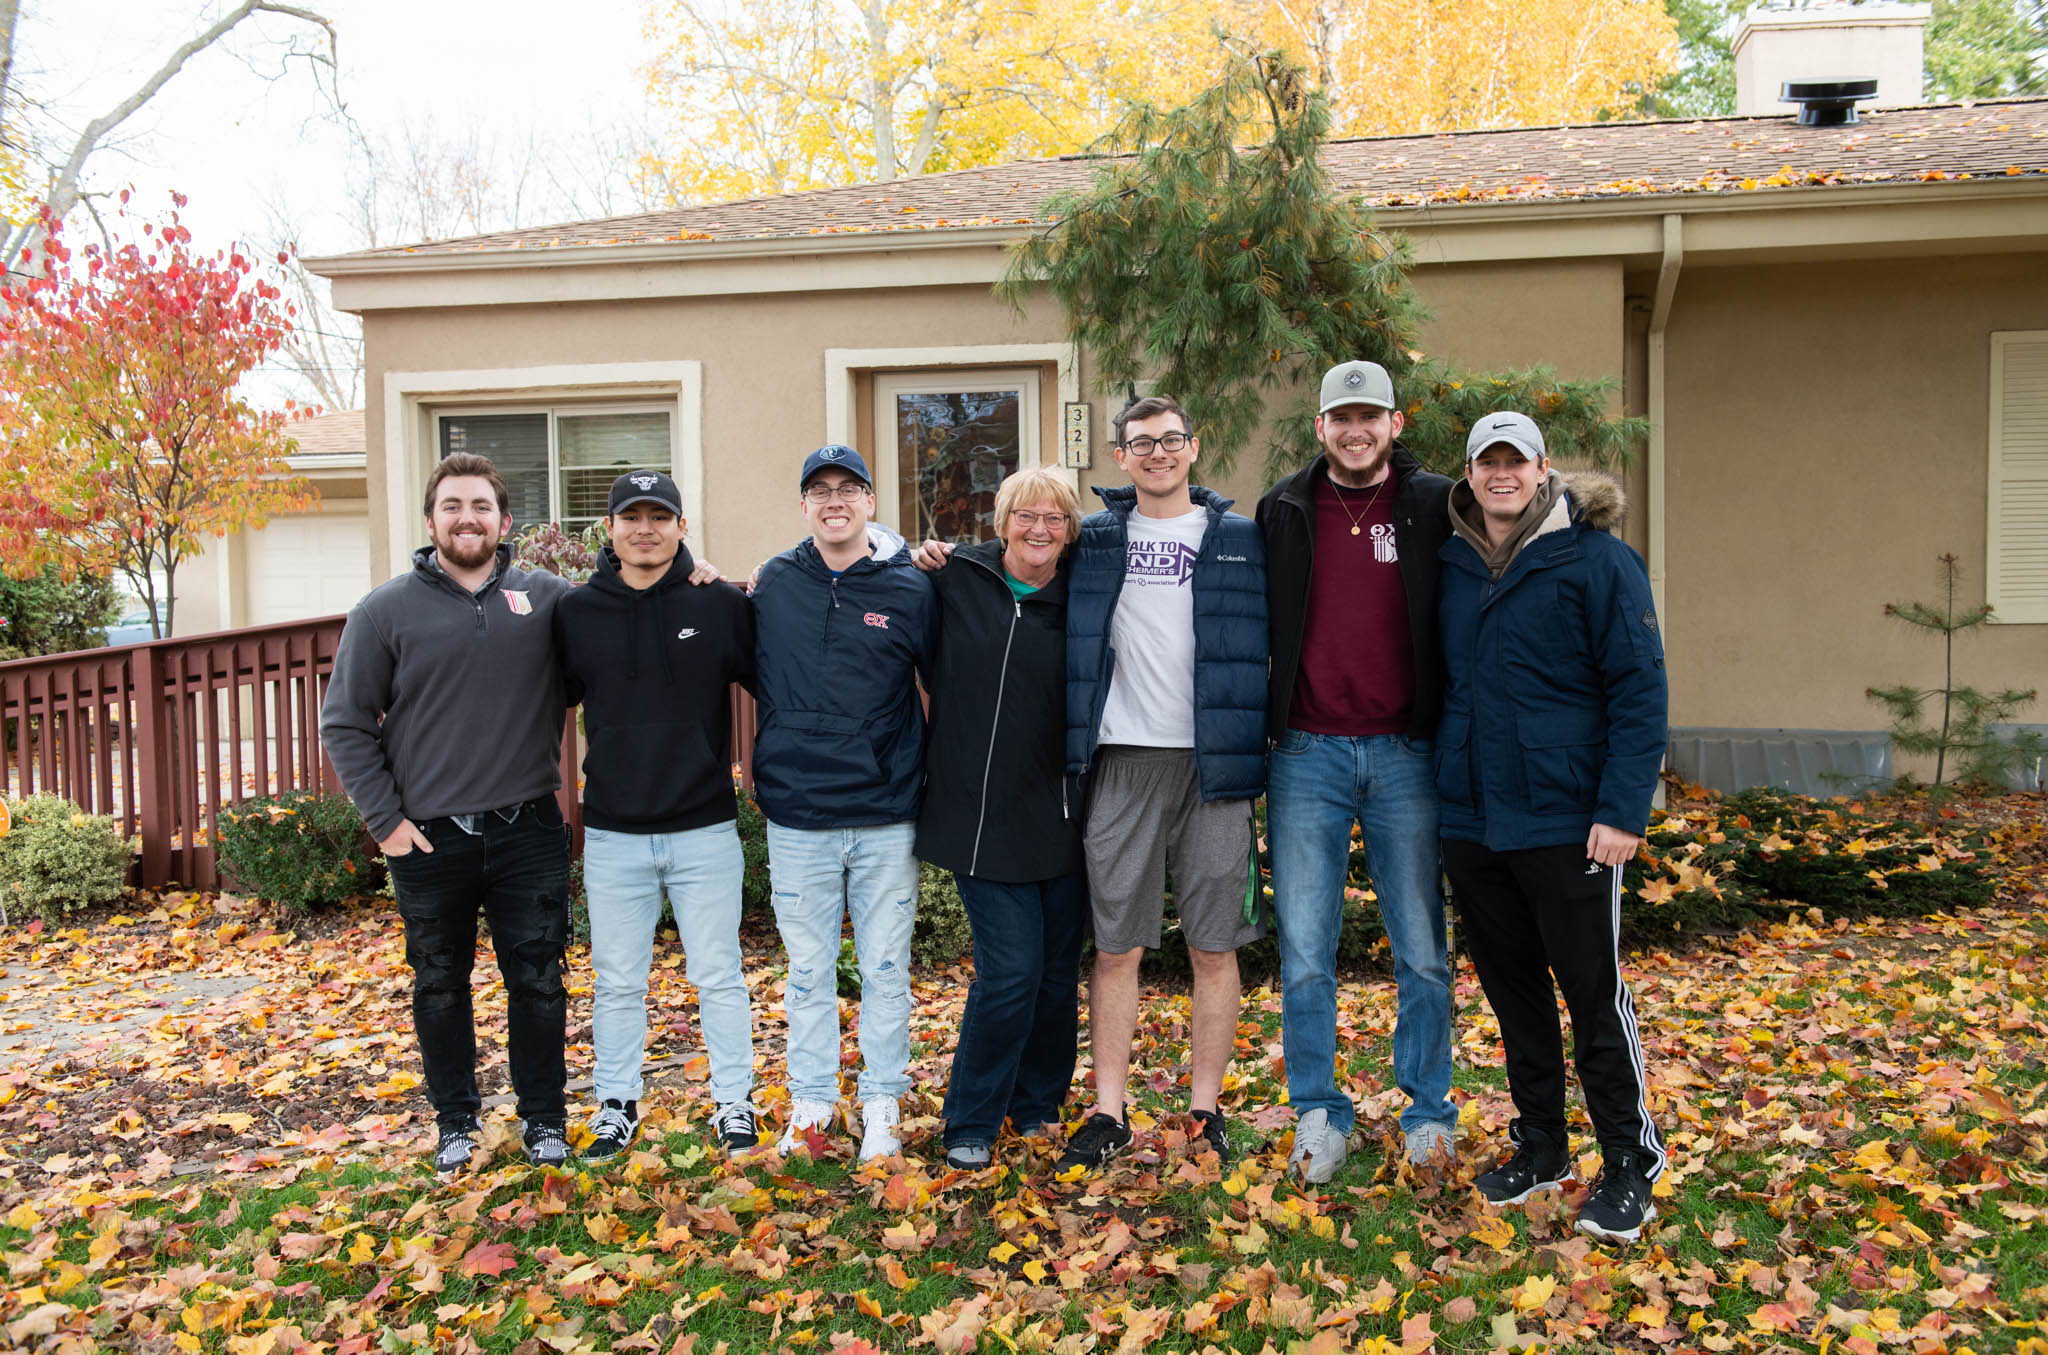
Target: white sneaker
1319 1150
805 1113
1428 1141
878 1120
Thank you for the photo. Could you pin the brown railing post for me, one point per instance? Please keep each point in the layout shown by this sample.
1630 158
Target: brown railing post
152 764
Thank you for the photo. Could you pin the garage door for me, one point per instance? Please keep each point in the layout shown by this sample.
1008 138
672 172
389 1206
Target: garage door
314 565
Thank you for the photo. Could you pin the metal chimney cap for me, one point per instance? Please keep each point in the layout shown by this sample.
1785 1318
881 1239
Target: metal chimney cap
1826 102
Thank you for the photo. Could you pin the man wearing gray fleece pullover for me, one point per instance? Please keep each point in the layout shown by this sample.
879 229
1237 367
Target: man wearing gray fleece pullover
443 720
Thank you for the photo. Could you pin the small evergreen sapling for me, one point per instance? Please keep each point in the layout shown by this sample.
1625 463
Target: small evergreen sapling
1963 734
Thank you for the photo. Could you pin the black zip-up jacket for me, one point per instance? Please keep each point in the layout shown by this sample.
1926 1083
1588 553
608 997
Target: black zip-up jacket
1287 518
995 801
653 670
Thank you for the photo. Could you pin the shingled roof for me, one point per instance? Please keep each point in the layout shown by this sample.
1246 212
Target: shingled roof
2005 138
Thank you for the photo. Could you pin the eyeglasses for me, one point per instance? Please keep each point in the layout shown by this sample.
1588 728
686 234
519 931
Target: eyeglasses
847 491
1172 442
1053 521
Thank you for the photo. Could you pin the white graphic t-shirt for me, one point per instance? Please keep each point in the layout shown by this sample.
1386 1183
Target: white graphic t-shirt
1151 699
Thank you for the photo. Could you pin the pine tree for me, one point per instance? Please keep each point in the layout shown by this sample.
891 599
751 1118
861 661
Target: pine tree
1981 757
1212 255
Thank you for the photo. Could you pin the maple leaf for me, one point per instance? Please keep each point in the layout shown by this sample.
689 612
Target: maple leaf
489 1258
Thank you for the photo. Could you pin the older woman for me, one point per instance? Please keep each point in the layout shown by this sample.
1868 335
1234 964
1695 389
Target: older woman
998 814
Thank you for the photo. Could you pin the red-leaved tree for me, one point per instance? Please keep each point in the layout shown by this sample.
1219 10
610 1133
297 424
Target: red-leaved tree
129 444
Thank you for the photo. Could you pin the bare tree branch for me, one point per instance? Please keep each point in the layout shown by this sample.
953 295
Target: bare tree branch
62 193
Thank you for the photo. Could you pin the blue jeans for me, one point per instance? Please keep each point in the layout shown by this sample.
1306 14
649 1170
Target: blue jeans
1316 786
627 876
1019 1034
820 875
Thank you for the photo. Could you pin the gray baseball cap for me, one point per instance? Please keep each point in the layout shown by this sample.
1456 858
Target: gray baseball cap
1357 383
1518 431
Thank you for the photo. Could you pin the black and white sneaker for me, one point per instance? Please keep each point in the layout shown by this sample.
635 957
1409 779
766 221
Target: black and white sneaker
546 1144
1541 1162
458 1142
1214 1134
612 1129
1097 1141
738 1128
1620 1203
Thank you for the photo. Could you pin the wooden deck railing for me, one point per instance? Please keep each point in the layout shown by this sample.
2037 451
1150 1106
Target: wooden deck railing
161 735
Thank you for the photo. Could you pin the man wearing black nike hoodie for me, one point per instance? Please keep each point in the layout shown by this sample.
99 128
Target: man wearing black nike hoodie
651 658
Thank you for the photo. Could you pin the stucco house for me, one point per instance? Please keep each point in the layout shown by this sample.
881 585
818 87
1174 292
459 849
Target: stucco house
1839 333
297 565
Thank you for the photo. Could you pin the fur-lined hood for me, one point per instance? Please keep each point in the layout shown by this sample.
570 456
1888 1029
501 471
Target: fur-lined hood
1565 498
1598 499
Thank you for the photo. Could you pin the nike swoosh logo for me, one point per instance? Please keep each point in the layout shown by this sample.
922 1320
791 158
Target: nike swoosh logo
685 634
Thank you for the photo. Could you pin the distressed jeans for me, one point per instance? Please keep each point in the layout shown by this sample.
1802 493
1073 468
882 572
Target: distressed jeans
517 874
627 876
820 876
1317 785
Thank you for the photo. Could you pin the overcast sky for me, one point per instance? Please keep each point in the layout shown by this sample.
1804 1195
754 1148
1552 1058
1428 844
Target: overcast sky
240 127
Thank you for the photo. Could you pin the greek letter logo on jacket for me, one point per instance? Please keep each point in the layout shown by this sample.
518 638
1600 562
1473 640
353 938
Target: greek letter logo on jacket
879 620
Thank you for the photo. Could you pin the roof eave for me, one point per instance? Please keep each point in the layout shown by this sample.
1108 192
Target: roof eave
1436 214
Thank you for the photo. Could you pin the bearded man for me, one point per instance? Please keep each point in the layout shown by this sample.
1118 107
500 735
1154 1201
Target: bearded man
443 720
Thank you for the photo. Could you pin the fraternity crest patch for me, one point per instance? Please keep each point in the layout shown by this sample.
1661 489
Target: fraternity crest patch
520 603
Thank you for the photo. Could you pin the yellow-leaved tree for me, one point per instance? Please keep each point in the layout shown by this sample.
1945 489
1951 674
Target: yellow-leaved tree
779 96
1399 66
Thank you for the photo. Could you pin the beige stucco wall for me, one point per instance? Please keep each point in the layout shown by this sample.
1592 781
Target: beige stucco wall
1828 429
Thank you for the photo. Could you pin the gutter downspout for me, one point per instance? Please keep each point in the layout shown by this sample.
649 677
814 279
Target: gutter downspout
1660 318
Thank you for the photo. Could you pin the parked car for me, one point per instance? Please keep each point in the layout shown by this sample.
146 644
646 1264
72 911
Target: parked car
133 627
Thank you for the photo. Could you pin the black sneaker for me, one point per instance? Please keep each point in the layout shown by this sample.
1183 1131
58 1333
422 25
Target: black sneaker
738 1126
458 1142
1213 1134
1097 1141
1620 1203
612 1129
1541 1162
546 1145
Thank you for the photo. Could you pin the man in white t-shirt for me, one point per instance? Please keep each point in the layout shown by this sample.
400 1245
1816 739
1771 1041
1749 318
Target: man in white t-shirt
1166 694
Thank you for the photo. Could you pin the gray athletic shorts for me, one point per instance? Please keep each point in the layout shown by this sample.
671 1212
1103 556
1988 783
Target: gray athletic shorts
1146 820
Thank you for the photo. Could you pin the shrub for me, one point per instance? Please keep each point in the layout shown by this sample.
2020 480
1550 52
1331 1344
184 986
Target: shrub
302 849
547 547
1765 853
59 859
942 935
47 613
757 895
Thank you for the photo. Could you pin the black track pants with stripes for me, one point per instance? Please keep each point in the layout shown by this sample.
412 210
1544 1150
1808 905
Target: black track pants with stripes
1525 916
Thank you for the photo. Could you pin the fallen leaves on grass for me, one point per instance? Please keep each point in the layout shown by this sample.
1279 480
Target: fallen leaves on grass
1855 1114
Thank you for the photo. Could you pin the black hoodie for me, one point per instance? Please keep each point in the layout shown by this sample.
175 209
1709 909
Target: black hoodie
653 670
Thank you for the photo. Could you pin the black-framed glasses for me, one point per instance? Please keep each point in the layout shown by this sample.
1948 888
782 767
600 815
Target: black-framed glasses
1172 442
847 491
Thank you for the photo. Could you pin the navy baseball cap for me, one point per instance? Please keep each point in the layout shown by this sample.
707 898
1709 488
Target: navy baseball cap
834 456
644 486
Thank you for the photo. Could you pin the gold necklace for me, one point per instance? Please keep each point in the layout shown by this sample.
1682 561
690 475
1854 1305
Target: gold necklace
1338 490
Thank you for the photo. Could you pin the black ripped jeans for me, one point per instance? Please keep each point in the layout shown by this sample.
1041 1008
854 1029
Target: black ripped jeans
517 873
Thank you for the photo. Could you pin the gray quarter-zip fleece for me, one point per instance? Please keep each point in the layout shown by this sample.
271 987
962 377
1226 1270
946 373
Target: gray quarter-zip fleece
443 701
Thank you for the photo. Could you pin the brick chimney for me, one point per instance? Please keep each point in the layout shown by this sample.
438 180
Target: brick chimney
1829 39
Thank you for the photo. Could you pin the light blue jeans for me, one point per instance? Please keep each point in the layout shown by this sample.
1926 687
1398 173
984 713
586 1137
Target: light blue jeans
821 875
626 876
1316 785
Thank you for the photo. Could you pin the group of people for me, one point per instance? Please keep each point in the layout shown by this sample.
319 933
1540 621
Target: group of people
1470 672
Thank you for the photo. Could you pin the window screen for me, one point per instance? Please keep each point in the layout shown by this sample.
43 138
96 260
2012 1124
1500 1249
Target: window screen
517 445
596 448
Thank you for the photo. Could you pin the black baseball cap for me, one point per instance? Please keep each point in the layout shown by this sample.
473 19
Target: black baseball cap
644 486
833 456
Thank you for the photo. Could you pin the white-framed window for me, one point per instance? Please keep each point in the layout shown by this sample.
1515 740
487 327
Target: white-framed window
953 436
558 463
2016 524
